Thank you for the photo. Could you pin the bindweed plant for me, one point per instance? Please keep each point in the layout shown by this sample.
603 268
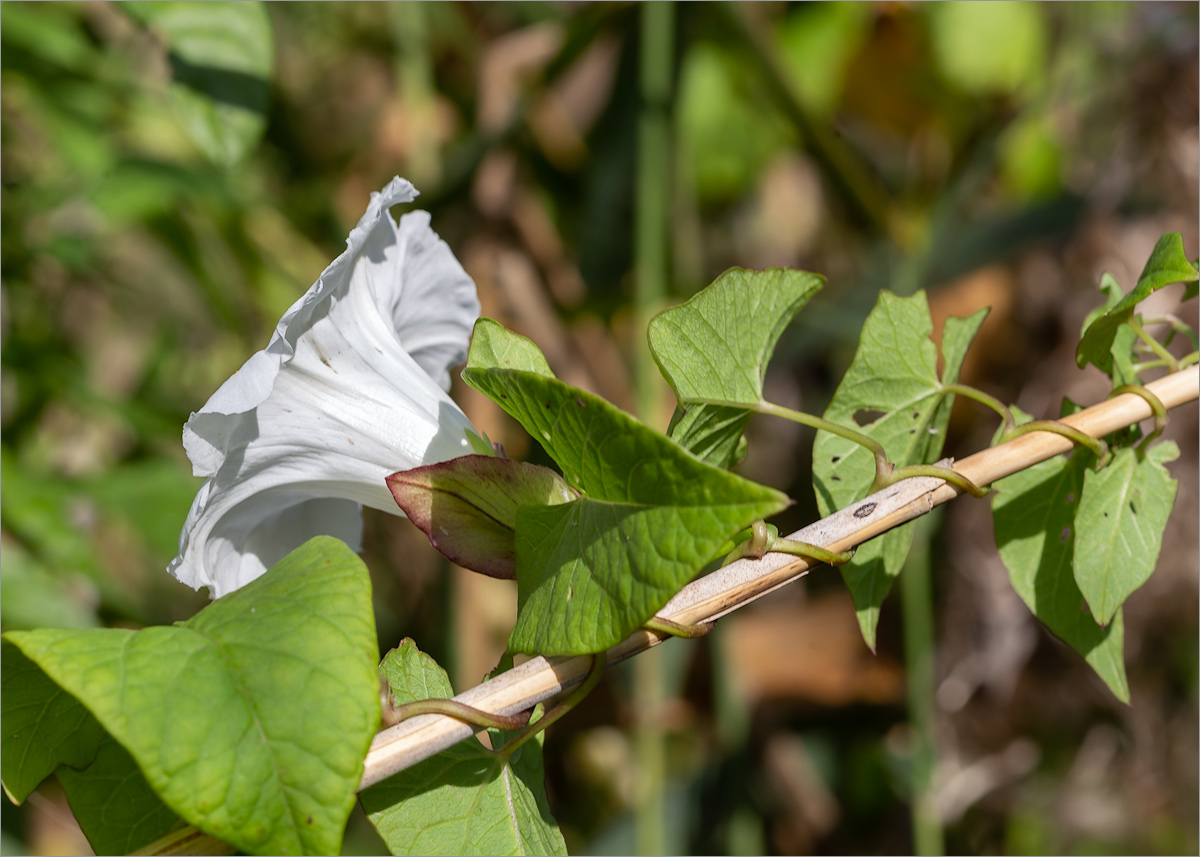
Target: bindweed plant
254 724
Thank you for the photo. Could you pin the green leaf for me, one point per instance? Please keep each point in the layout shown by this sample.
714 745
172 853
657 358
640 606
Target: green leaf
221 54
252 719
652 517
1167 264
892 393
114 805
716 347
493 346
1120 524
464 800
1035 514
468 506
1121 367
44 726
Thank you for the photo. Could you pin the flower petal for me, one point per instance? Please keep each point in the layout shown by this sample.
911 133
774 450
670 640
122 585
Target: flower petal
311 426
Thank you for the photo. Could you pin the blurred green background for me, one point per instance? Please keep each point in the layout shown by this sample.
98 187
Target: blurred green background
175 175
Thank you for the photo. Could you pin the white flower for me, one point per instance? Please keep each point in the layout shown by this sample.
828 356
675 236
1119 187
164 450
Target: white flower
350 389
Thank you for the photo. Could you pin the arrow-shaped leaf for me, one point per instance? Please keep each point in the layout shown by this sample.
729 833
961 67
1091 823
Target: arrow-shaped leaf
716 347
1035 513
1119 526
652 517
892 393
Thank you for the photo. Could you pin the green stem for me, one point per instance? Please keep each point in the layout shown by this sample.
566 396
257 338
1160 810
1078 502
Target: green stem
813 552
952 476
1077 437
1154 364
983 398
461 711
599 662
1189 359
916 593
883 467
677 629
1154 345
1156 405
752 542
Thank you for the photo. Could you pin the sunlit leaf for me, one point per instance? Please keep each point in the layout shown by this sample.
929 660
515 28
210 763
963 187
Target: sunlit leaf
892 393
591 571
252 719
468 506
1167 264
716 347
1119 525
1035 514
464 800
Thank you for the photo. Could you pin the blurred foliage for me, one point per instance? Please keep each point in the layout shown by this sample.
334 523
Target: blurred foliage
173 176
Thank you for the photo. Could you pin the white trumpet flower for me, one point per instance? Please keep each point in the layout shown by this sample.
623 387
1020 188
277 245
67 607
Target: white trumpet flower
351 388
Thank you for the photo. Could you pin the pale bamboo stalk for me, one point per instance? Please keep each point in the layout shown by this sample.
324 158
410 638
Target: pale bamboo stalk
741 582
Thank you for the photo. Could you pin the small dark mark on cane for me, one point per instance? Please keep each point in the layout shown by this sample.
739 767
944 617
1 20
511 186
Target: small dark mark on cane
865 510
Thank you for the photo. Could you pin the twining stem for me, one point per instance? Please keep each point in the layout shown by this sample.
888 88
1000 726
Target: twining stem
1156 405
1189 359
1077 437
599 663
460 711
952 476
677 629
762 538
984 399
1154 345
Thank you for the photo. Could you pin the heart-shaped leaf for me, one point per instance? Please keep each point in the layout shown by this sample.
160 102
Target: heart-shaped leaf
468 506
892 393
716 347
466 799
652 517
252 719
1167 264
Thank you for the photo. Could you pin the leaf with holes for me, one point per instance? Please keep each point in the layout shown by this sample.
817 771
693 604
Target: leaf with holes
1120 524
250 720
1167 264
892 393
1035 513
715 348
591 571
466 799
468 506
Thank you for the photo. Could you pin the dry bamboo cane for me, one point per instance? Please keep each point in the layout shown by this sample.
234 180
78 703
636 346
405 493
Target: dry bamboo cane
746 580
